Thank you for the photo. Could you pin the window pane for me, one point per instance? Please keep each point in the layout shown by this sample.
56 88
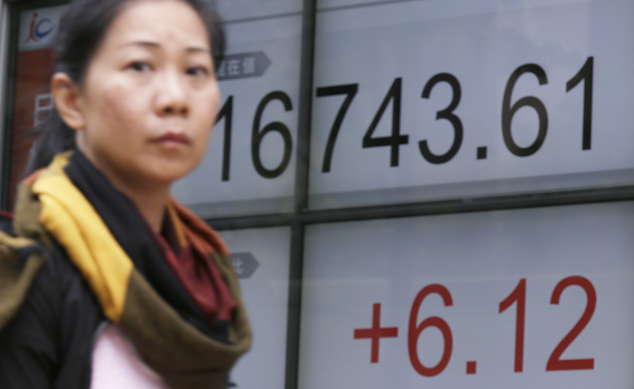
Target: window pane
250 165
479 261
456 99
261 259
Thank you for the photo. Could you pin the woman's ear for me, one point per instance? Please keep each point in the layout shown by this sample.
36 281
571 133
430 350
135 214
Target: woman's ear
66 98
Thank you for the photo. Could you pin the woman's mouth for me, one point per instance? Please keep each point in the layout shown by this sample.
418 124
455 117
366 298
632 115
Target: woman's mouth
172 139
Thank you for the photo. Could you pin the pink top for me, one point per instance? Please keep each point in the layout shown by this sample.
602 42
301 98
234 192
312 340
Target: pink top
116 364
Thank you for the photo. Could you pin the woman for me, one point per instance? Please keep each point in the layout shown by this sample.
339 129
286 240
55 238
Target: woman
125 287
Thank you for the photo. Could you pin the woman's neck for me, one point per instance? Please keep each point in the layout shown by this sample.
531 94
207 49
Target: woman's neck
150 202
152 208
149 196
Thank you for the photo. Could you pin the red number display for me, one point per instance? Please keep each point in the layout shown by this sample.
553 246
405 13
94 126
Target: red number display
414 331
517 296
554 362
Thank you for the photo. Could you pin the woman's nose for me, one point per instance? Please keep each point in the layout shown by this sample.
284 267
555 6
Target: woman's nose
171 96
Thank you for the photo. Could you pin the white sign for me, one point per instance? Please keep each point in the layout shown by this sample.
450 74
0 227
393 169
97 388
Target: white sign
249 167
330 4
265 294
426 100
38 27
532 298
245 9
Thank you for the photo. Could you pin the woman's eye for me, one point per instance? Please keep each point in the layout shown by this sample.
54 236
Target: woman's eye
139 66
197 71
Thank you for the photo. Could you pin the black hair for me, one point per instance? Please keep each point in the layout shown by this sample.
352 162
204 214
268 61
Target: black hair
80 33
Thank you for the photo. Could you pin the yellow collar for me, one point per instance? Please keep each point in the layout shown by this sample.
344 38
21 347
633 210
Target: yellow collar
68 216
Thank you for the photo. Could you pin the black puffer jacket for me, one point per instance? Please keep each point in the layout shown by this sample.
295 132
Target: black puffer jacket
48 344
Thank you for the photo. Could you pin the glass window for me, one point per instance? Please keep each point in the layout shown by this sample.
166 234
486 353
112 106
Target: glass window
436 100
250 166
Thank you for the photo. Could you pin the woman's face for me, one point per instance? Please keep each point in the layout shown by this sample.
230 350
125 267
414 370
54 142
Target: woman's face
150 95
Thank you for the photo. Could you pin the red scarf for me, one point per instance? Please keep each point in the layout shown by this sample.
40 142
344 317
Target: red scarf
187 241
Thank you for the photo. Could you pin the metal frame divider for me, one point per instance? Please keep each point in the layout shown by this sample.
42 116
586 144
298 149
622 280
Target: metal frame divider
301 194
4 63
8 76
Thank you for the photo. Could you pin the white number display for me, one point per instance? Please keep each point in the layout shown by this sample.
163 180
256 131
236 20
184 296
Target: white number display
427 100
505 299
250 165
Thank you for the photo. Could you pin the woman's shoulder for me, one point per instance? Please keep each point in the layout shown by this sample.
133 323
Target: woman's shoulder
50 331
43 282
